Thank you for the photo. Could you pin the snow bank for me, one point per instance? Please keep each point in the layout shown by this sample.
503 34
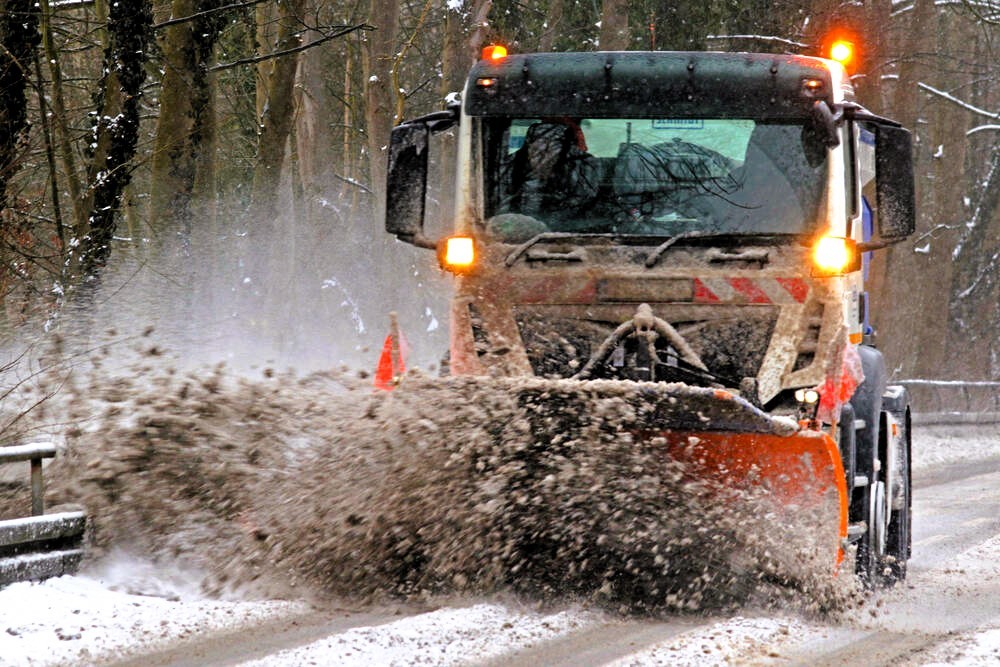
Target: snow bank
958 443
79 620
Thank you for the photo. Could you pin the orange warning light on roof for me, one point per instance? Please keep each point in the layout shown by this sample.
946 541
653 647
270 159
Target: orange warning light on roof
842 51
494 52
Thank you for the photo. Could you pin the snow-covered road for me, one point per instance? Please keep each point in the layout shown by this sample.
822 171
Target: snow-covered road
947 612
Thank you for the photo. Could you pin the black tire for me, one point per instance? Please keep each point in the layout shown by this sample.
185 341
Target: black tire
898 544
848 446
867 404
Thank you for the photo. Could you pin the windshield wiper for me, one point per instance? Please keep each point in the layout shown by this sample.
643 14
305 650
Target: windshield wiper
516 253
654 256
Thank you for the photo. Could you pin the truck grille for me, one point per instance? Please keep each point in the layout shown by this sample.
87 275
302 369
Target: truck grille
732 347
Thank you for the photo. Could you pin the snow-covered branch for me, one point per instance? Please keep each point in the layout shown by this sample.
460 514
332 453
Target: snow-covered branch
988 10
981 128
760 38
955 100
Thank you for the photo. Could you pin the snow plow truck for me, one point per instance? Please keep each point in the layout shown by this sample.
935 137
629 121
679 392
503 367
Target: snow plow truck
699 225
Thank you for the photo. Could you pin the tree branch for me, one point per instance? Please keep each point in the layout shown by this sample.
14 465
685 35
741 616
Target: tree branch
955 100
345 30
207 12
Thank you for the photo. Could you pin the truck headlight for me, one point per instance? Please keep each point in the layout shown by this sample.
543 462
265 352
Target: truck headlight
835 256
457 254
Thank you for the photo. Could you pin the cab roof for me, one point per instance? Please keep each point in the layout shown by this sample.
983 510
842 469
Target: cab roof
650 84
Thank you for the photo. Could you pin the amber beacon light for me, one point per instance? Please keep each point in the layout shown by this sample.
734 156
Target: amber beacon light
842 50
494 52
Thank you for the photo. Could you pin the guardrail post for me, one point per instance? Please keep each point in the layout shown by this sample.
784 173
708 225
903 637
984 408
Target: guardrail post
37 488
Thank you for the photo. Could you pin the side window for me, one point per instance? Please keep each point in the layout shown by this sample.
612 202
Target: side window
866 176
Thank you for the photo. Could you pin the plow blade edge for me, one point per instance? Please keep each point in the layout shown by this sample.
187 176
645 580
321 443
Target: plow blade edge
720 438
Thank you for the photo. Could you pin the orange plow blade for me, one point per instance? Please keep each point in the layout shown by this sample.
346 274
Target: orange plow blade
801 472
721 439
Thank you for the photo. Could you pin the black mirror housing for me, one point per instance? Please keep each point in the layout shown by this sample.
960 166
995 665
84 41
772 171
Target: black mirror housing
406 182
895 193
406 178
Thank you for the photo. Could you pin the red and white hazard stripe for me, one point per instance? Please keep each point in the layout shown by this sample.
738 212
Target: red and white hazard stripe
750 290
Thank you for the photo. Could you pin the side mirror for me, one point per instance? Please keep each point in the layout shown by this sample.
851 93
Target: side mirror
406 179
406 183
894 190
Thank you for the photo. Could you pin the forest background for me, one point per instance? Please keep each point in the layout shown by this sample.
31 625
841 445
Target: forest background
213 169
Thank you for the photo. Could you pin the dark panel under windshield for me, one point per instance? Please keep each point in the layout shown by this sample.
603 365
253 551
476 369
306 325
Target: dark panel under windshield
651 176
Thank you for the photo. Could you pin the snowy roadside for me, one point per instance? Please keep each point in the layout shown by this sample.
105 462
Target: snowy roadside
80 620
937 445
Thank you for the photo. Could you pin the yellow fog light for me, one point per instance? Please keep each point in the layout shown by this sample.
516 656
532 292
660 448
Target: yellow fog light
835 255
457 254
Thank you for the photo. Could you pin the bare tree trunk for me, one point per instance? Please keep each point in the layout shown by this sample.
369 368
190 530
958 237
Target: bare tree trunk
614 25
264 21
18 37
463 40
898 310
313 139
183 162
947 146
553 25
975 284
60 118
116 134
379 98
277 116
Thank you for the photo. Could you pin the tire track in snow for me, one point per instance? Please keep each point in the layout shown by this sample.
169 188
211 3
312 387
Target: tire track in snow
451 636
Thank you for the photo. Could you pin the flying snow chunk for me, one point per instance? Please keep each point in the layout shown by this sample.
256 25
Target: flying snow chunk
433 324
923 250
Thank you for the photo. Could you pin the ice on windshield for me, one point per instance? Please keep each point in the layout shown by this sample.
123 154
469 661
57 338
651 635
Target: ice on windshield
651 176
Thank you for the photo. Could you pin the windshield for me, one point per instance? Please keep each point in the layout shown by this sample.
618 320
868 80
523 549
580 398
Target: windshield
651 176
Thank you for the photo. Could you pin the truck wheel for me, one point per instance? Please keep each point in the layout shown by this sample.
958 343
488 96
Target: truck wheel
871 497
900 501
868 497
897 539
847 443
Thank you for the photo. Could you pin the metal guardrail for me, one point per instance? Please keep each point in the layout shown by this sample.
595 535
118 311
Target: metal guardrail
954 401
34 452
41 545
